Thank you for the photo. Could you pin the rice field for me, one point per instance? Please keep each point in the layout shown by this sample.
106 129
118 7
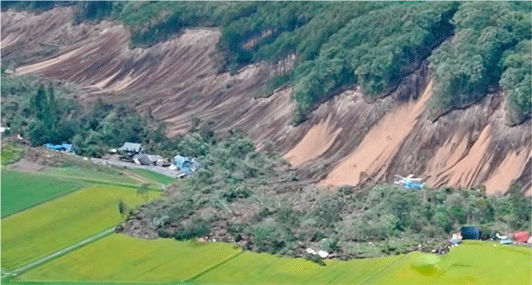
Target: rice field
153 176
50 226
121 258
101 173
21 190
263 268
473 262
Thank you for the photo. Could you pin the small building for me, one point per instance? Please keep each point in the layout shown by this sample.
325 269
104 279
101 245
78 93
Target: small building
131 148
184 164
522 236
143 159
64 147
470 233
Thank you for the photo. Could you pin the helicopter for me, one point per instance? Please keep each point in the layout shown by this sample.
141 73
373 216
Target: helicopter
410 182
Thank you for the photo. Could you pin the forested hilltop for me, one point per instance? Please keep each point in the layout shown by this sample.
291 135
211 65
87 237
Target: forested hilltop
472 47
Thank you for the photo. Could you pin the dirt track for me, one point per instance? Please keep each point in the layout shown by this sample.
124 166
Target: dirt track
347 138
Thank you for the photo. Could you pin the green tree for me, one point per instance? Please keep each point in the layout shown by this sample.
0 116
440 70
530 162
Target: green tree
143 191
122 208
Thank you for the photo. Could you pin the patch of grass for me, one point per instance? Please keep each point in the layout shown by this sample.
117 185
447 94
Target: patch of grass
121 258
22 190
472 262
154 176
11 153
61 222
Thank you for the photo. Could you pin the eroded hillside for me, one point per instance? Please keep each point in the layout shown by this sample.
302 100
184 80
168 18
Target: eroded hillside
345 141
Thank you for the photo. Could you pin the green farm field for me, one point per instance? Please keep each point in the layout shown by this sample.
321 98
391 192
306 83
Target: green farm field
472 262
61 222
129 259
153 176
121 258
99 174
263 268
22 190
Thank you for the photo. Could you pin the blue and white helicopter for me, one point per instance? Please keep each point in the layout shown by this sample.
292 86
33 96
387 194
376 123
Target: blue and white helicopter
410 182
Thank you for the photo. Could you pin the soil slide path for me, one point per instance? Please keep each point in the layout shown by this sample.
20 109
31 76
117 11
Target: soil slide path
380 144
344 141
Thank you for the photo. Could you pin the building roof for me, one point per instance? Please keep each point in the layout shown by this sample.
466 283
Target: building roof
521 236
128 146
143 159
61 147
185 164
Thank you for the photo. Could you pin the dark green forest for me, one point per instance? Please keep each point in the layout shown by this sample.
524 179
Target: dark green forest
46 113
472 47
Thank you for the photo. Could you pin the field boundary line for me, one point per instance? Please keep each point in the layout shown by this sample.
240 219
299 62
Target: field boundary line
214 266
61 252
383 270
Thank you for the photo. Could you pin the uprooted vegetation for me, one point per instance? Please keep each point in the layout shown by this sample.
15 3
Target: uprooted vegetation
251 198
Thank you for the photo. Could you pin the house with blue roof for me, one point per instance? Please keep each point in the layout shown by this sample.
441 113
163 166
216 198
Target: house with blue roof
185 164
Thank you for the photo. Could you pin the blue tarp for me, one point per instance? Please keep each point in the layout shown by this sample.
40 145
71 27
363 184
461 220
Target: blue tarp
185 164
61 147
470 233
414 185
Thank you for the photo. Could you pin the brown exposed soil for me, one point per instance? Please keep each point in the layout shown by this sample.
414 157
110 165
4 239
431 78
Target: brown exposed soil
379 145
345 141
315 142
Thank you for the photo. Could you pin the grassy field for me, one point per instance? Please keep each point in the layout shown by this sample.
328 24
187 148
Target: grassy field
120 258
21 190
153 176
128 259
61 222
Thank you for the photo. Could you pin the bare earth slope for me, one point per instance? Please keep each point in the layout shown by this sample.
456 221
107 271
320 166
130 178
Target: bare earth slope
345 141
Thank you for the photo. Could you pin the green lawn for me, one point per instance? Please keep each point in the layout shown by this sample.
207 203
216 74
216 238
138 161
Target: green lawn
48 227
21 190
154 176
121 258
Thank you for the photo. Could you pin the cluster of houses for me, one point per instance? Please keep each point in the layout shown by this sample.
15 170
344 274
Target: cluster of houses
134 152
138 155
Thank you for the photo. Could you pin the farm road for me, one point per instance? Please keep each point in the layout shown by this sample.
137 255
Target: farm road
59 253
162 170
